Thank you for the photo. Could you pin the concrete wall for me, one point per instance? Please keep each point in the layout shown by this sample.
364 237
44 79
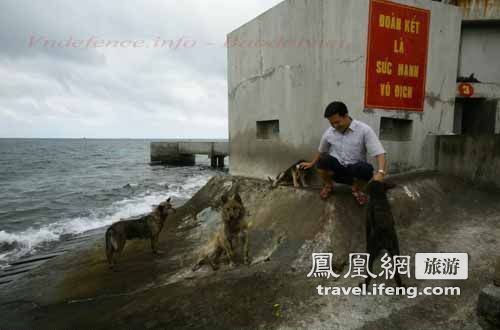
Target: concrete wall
473 158
480 10
293 84
479 52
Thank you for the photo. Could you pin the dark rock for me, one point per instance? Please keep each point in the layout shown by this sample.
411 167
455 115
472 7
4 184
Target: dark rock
488 307
496 280
78 290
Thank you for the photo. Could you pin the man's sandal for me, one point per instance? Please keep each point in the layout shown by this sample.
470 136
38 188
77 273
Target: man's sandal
326 191
360 197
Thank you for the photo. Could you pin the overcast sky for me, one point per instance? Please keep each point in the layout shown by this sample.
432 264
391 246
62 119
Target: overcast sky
117 69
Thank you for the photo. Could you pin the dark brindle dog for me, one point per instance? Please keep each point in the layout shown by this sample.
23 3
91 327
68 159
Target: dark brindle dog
293 175
380 231
232 235
147 227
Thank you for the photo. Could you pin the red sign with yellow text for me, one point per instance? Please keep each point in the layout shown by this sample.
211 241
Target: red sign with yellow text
398 39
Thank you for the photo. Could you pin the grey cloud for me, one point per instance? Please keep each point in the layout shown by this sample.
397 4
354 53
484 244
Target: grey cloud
59 91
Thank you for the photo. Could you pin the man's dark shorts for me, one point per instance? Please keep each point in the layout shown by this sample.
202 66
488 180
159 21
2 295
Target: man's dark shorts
345 174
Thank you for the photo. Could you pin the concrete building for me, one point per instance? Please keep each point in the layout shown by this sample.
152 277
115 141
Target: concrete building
479 113
281 77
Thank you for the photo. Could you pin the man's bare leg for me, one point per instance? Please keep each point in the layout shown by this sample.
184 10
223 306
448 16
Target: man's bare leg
357 192
327 178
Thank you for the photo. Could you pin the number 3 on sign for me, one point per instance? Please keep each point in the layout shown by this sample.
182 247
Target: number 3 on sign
465 90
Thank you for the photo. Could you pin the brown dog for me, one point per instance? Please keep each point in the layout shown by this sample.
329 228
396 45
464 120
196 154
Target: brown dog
233 234
147 227
380 231
293 175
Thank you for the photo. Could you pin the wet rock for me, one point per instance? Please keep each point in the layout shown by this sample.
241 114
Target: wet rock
496 280
488 307
432 214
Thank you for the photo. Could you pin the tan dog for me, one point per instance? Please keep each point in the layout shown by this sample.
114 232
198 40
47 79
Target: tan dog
233 234
147 227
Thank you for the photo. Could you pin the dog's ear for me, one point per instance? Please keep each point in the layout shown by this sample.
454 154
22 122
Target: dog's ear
237 198
168 200
388 185
270 179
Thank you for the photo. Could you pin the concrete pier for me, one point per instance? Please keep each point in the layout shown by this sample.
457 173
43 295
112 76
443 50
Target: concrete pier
182 152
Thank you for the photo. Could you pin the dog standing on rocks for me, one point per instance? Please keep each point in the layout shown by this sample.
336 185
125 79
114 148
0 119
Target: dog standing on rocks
147 227
380 231
232 235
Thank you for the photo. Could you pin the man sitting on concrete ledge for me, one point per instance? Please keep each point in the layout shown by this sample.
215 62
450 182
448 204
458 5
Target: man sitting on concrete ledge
341 155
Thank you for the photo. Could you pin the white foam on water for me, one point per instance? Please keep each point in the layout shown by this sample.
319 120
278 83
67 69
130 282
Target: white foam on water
28 240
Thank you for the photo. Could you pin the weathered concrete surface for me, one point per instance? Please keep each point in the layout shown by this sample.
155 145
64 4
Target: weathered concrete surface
497 273
433 214
473 158
479 43
277 70
488 307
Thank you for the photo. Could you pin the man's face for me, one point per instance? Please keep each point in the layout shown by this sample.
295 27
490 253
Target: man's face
338 122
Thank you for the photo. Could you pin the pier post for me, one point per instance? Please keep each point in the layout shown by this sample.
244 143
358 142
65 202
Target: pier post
220 161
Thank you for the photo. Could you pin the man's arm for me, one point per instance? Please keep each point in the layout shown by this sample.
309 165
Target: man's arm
380 166
375 149
324 146
307 165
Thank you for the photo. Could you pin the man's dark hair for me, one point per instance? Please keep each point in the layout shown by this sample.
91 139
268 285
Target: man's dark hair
336 108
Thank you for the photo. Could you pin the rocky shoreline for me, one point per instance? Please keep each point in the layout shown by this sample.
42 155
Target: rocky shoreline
433 214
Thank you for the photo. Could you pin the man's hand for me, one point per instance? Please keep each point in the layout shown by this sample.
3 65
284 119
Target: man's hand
378 177
306 165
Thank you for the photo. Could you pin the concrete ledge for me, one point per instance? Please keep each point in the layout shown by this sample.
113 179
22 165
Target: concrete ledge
488 307
484 90
473 158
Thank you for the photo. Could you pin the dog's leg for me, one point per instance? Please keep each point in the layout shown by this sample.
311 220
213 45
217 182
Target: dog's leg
397 277
398 280
302 177
246 259
395 251
154 245
200 263
120 242
214 259
226 244
370 268
117 254
109 247
294 178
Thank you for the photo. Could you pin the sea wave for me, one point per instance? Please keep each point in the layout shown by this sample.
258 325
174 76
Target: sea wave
30 240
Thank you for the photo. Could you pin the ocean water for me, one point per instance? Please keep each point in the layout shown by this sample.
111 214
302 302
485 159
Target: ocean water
54 189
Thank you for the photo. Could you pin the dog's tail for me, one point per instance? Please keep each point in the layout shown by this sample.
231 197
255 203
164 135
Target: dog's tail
111 244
